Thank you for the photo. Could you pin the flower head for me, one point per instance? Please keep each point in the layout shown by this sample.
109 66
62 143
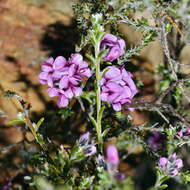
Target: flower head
114 45
64 77
171 165
118 87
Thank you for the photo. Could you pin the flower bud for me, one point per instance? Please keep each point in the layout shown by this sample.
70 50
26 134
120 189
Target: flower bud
84 139
112 155
90 150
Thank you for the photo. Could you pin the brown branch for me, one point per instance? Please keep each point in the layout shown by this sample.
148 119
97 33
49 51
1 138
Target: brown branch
168 90
154 105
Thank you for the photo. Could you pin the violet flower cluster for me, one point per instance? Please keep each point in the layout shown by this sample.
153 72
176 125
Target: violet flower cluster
118 87
171 165
114 45
64 77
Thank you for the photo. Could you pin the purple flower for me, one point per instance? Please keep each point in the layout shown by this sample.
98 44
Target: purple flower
156 140
84 139
90 150
118 87
171 165
112 155
49 67
114 45
64 77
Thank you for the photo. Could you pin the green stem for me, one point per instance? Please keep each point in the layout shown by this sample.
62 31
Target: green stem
98 91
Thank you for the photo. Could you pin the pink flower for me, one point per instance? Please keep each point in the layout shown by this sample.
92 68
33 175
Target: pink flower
64 77
163 162
112 155
115 46
171 165
49 67
118 87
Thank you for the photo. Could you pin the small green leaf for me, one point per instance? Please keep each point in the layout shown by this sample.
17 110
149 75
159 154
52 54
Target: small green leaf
163 179
93 121
168 27
15 121
39 123
91 58
163 187
100 114
105 132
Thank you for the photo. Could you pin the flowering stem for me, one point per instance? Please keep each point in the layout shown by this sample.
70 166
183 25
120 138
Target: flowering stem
98 91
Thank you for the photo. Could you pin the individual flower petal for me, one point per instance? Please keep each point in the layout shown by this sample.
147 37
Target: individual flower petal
114 87
113 96
59 63
72 70
113 54
122 45
179 163
43 75
73 81
50 81
64 82
86 72
69 93
50 60
112 73
76 59
77 91
174 172
46 68
104 96
117 107
42 81
163 162
180 133
62 101
53 92
109 38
